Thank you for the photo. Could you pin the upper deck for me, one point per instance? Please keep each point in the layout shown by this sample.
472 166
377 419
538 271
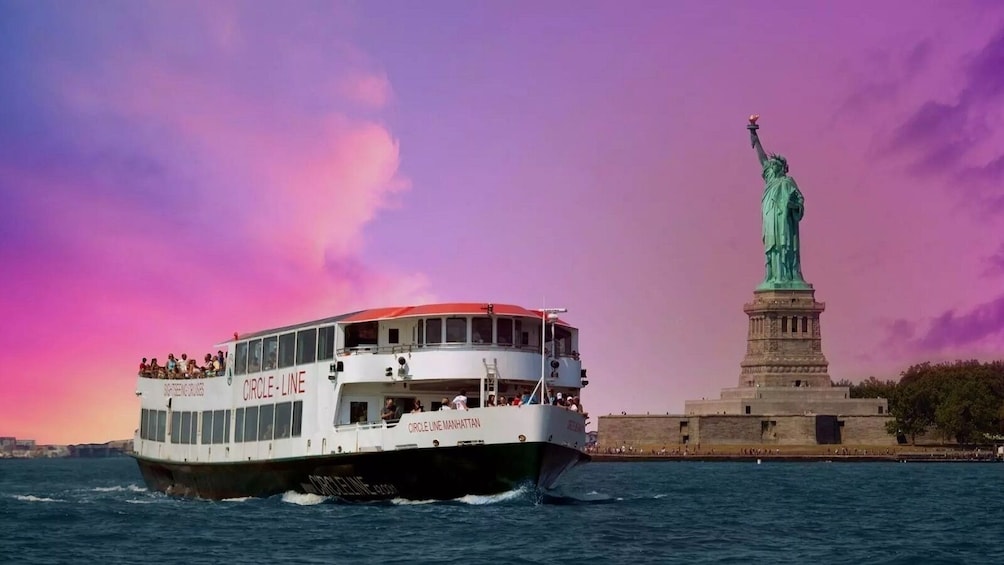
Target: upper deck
433 327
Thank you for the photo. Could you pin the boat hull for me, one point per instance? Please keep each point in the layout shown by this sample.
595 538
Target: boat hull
439 473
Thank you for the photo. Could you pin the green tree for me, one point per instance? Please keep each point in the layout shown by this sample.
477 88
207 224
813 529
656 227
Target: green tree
912 407
873 388
968 411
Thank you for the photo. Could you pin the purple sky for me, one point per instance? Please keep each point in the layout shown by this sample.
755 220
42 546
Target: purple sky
174 172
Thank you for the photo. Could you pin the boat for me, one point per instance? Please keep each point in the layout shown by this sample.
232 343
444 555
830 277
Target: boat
331 407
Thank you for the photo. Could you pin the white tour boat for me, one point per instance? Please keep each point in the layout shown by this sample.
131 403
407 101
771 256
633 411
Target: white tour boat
329 407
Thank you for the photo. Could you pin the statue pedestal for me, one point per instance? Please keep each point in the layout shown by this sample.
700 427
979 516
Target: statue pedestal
784 343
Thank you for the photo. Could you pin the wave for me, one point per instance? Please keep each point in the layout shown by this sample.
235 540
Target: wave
33 498
482 499
303 499
129 488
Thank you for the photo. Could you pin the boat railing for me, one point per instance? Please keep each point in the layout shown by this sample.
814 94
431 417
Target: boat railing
412 348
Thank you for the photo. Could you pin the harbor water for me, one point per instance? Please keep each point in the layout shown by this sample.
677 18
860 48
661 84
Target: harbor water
98 510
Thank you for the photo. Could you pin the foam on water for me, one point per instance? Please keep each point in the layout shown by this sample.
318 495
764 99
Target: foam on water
481 499
303 499
119 488
33 498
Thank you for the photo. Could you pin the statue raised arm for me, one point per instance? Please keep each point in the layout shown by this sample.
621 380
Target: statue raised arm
782 207
755 139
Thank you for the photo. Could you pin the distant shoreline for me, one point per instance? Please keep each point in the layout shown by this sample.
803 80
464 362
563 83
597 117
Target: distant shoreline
827 458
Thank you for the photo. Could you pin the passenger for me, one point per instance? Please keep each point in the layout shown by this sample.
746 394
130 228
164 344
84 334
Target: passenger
418 407
389 413
155 369
207 362
491 400
143 367
183 366
172 365
460 401
502 401
216 367
222 362
444 404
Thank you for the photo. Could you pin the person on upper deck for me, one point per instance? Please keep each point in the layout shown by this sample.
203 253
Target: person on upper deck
460 401
389 413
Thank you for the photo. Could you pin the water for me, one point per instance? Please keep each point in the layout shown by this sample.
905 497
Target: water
67 510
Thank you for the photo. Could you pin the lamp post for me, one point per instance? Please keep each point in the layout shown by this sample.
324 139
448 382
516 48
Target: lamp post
546 314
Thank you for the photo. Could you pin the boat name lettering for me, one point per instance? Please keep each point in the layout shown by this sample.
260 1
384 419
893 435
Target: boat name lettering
444 425
184 389
266 387
345 486
576 426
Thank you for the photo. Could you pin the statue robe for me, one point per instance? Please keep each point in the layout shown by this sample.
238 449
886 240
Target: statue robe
782 207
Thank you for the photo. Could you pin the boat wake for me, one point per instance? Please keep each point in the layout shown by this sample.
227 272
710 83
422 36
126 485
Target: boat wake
593 497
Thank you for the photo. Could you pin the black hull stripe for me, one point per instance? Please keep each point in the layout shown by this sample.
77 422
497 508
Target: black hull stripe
418 474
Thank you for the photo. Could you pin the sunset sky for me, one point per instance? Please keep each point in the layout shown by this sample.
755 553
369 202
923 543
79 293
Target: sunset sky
172 172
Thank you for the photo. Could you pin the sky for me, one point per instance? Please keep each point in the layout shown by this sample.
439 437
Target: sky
171 173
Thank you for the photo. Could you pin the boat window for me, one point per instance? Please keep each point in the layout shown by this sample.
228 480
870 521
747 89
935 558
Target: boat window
239 425
522 338
364 333
456 330
297 417
219 434
562 340
283 418
175 427
306 346
287 349
226 427
420 339
144 415
434 331
254 356
325 343
270 357
155 428
359 412
265 422
393 335
207 427
481 330
186 427
151 426
241 365
251 423
504 331
161 425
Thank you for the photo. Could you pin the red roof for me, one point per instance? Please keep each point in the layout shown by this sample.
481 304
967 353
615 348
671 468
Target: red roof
445 309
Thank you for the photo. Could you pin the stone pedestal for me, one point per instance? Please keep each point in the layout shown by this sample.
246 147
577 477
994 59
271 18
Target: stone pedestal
784 342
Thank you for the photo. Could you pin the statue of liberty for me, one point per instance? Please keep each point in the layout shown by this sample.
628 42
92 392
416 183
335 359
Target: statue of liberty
782 207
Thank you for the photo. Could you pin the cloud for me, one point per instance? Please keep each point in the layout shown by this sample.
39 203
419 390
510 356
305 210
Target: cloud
950 331
951 138
176 172
995 263
884 76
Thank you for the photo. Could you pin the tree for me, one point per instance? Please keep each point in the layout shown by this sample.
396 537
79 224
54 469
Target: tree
912 407
873 388
968 411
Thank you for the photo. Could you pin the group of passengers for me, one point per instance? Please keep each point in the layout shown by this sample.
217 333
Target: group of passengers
184 368
555 399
